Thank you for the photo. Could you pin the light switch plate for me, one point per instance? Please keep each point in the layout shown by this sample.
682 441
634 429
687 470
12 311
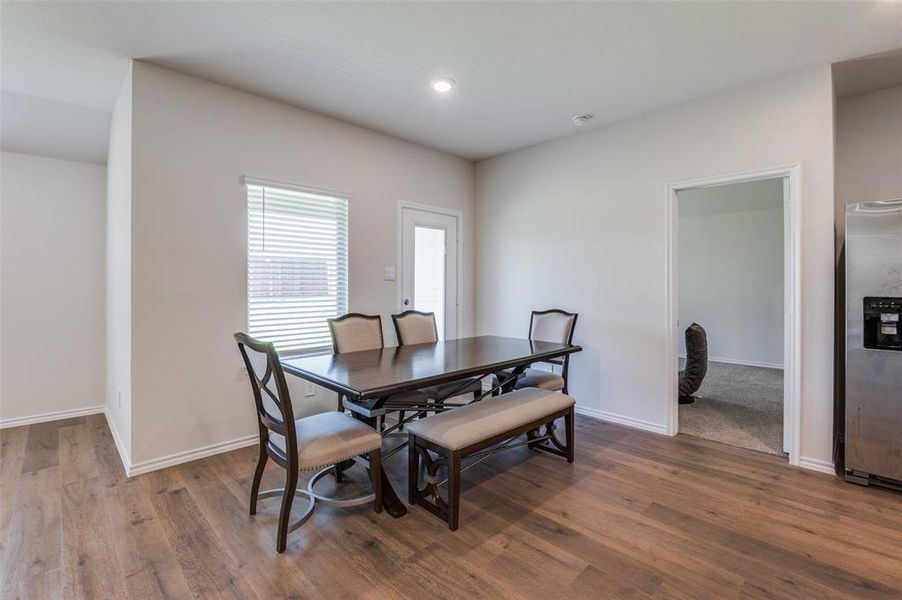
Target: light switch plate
390 274
309 390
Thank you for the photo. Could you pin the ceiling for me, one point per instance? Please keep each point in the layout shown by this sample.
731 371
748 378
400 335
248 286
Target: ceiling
34 125
523 69
868 74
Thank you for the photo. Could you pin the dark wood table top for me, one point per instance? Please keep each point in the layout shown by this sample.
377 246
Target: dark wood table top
375 373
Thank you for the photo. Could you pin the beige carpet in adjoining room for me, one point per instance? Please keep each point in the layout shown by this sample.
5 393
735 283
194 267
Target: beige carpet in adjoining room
738 405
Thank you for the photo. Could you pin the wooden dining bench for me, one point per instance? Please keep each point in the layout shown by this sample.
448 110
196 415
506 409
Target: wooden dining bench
479 430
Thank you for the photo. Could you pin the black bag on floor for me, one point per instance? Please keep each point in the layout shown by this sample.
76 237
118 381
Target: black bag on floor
696 362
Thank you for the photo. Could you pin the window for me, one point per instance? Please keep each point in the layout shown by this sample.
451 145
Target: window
297 265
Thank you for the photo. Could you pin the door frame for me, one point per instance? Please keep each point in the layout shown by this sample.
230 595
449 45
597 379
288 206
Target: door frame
792 395
439 210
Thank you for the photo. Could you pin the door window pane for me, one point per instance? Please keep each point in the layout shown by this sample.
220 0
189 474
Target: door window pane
429 274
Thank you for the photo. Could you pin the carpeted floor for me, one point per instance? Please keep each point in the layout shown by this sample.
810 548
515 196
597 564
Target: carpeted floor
738 405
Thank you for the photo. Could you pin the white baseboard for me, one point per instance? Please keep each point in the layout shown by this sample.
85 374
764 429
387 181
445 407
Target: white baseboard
745 363
814 464
173 459
621 420
189 455
51 416
117 439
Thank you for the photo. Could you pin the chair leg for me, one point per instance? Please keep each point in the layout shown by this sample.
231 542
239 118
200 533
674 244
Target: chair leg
531 435
258 475
568 424
413 469
453 489
291 482
376 478
337 470
401 420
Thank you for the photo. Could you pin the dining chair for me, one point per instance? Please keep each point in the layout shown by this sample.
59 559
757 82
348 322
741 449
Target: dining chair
415 327
552 325
317 442
354 332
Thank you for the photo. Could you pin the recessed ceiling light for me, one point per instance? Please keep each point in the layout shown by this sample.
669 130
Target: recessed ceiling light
581 120
442 85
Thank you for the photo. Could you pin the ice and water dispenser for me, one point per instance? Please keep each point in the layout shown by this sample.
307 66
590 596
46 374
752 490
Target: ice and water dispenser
883 323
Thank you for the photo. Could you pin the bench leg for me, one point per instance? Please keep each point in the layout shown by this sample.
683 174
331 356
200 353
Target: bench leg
453 488
413 469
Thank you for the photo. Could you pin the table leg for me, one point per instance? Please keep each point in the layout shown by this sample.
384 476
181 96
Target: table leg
390 501
392 504
512 381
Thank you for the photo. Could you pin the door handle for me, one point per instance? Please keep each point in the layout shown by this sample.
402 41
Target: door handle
406 301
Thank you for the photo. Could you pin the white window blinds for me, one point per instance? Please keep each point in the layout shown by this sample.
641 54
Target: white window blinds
297 265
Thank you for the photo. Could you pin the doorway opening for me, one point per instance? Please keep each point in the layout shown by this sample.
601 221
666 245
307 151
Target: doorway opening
733 289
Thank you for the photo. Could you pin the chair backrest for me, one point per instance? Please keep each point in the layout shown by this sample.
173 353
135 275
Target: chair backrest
552 326
415 327
356 331
275 415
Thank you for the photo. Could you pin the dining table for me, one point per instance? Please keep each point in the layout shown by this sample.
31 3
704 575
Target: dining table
374 383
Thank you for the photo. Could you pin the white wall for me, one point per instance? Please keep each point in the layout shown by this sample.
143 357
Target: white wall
118 271
191 141
579 223
53 299
730 270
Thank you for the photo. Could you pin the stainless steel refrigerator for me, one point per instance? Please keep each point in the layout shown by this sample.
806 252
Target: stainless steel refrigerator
873 437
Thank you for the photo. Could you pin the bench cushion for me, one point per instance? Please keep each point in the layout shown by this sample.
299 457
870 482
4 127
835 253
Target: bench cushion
479 421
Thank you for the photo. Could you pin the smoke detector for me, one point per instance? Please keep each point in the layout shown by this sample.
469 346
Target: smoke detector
581 120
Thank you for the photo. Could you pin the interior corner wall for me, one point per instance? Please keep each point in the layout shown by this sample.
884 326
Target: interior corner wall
53 304
584 228
119 270
192 140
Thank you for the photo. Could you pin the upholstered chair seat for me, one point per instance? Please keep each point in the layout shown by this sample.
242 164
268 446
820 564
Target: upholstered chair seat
539 378
328 438
536 378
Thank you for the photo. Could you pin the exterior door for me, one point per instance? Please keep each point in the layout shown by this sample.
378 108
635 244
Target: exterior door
429 249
